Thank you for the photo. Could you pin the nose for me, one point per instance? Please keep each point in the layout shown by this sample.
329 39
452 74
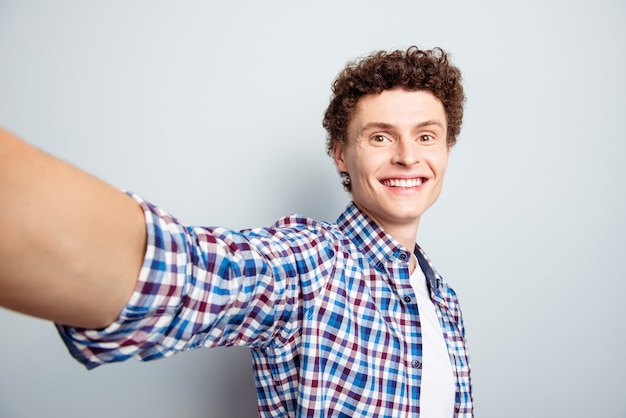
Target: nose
406 153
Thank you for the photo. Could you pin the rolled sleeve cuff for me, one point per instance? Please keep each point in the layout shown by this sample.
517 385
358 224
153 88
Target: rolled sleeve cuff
143 322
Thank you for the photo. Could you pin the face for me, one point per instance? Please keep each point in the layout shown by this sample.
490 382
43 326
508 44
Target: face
396 156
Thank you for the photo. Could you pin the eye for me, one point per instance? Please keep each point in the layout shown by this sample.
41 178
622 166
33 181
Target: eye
426 138
379 139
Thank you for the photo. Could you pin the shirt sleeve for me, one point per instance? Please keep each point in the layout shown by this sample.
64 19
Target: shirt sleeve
206 287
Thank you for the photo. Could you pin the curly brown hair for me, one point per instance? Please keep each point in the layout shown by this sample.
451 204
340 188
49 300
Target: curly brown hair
413 69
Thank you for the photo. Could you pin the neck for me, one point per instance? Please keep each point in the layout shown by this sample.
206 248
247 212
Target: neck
405 235
403 231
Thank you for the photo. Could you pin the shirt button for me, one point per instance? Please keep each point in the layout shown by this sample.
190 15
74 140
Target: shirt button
416 364
402 256
407 299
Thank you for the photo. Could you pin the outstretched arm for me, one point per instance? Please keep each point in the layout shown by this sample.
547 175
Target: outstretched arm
71 246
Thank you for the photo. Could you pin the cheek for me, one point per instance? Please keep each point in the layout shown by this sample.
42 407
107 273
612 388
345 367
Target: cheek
439 162
443 165
370 162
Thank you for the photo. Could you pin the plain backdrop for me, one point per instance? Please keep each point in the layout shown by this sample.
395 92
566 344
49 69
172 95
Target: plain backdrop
212 110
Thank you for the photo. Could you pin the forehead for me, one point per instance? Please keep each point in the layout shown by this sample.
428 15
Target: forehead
398 107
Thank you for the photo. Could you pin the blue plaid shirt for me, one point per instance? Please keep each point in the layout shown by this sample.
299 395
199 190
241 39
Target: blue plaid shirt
327 310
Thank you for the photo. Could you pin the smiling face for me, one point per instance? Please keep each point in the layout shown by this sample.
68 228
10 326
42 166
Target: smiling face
396 156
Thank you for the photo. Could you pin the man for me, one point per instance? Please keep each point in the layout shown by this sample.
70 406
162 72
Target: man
343 319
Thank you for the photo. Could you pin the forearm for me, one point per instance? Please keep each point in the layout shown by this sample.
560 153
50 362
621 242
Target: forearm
71 245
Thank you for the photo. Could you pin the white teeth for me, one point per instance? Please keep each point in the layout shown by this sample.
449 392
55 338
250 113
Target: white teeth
403 183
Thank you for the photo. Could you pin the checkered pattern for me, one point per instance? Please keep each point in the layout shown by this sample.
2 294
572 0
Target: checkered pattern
327 309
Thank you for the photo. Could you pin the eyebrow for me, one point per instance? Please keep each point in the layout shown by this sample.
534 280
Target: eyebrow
383 125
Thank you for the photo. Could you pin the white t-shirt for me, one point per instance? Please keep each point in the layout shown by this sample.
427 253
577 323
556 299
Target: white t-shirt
438 386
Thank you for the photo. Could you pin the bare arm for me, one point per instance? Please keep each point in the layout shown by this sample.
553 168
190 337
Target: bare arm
71 246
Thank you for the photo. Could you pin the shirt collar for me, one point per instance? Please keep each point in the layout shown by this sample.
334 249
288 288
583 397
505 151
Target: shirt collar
378 246
433 278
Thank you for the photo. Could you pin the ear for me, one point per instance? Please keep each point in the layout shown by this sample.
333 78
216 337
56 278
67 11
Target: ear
339 155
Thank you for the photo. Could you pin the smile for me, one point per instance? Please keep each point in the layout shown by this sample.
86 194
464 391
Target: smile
403 183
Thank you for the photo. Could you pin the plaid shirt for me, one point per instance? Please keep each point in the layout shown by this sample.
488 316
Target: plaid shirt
327 310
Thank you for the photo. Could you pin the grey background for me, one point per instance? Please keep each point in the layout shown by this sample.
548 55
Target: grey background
212 110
